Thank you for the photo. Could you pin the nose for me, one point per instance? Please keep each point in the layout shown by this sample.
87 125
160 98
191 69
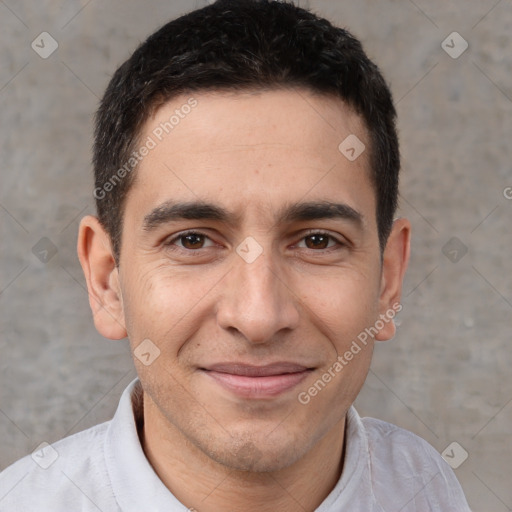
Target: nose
258 301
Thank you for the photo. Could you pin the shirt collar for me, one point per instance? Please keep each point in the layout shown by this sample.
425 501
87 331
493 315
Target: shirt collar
137 487
135 484
354 485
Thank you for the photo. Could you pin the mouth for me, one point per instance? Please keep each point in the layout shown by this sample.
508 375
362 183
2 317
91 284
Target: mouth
249 381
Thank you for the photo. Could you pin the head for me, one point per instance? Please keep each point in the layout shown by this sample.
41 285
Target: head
235 225
240 46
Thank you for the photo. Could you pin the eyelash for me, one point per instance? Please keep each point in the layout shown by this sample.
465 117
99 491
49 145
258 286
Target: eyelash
170 242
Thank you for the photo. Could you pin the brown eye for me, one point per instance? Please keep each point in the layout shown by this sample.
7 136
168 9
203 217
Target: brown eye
192 241
317 241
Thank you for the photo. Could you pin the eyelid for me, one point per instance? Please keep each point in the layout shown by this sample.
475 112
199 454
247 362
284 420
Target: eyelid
340 241
169 241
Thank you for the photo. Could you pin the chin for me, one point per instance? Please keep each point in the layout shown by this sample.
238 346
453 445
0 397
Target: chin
255 455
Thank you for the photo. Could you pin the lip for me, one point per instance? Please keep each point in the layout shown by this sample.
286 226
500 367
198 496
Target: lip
250 381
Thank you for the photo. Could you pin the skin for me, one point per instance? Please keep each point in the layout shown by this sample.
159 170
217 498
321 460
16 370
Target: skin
200 303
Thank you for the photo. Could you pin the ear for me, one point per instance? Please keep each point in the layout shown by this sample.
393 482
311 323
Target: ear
102 276
394 264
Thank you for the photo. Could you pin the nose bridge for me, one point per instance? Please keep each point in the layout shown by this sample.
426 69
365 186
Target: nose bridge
259 282
258 304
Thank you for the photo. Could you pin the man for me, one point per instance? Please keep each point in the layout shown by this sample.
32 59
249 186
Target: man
246 167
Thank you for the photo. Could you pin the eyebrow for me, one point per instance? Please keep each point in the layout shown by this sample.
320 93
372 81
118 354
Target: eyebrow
200 210
320 210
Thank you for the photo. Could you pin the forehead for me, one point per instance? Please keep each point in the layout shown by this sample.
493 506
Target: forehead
253 149
290 113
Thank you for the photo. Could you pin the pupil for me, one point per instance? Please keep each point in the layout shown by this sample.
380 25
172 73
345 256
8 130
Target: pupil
317 241
192 241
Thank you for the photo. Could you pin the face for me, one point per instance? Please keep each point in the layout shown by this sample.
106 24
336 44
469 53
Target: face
250 261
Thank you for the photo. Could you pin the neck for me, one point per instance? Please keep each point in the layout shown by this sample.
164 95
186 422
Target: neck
204 485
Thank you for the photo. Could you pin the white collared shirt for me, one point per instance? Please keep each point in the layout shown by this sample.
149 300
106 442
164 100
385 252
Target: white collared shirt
386 469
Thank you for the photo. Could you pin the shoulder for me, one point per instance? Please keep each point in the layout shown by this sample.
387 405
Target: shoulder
67 475
395 443
407 471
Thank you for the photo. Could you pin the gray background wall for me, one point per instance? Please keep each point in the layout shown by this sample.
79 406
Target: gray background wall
446 376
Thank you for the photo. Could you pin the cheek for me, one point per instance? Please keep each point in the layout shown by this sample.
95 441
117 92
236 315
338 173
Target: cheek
342 304
343 309
163 304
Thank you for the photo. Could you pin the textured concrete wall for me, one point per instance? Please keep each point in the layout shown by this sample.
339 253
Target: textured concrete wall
446 376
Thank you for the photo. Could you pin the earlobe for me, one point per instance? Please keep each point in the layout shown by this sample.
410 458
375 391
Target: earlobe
394 264
98 264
